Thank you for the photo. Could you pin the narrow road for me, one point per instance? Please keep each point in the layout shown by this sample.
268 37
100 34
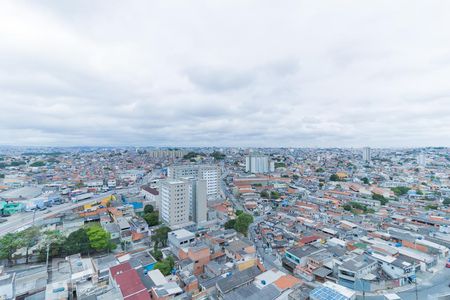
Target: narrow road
25 219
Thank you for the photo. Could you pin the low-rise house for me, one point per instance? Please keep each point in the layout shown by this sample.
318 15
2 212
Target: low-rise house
139 225
81 269
232 281
241 249
126 279
163 289
7 284
330 290
355 269
396 268
102 266
298 256
57 290
114 230
180 238
198 254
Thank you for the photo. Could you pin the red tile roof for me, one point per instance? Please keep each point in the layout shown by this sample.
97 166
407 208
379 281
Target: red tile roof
116 270
309 239
131 286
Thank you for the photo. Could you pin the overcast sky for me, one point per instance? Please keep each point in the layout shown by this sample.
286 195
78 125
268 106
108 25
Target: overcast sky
225 73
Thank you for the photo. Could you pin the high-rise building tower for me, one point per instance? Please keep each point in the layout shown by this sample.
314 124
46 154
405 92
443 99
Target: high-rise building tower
210 173
421 160
258 164
366 154
198 200
175 208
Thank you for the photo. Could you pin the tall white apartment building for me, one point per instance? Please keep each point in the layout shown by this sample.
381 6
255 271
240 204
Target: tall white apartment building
210 173
367 154
161 153
175 206
422 160
259 164
198 200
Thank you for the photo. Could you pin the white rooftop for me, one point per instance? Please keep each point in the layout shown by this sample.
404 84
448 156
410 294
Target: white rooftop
157 277
182 234
346 292
267 278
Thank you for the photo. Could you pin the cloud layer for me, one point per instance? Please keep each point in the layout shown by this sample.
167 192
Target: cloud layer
225 73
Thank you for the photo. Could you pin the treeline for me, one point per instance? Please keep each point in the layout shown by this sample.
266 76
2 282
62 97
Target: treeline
86 240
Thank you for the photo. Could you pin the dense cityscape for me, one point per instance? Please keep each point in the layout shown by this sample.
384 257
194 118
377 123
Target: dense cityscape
224 223
224 150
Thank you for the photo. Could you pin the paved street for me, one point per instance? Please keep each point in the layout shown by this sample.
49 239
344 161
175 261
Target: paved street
436 286
25 219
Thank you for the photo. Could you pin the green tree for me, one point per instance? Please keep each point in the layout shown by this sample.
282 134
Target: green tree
334 177
218 155
55 241
380 198
239 212
400 190
431 206
365 180
152 218
157 254
264 194
99 239
2 175
230 224
29 237
78 242
280 165
9 244
274 195
148 209
242 223
160 236
446 201
166 265
17 163
38 164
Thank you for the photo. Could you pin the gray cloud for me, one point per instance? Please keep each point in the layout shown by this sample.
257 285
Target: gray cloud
224 73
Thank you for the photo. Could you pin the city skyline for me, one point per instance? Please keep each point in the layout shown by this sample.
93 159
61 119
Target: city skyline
252 74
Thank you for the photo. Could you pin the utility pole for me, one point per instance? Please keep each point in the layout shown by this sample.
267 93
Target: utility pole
48 251
415 283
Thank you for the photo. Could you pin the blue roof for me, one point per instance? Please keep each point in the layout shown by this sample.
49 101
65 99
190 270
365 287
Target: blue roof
325 293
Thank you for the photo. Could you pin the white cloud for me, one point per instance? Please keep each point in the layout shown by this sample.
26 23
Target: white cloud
246 73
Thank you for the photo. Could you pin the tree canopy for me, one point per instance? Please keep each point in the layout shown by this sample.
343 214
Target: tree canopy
38 163
243 221
230 224
78 242
152 218
160 236
9 244
99 239
218 155
166 265
400 190
334 177
380 198
148 209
